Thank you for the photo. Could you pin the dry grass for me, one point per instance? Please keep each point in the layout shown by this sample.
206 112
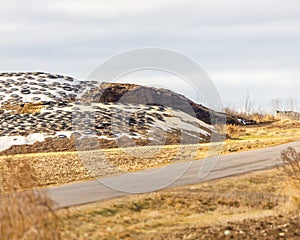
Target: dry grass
284 129
262 118
27 214
206 205
25 108
231 131
31 108
258 117
291 160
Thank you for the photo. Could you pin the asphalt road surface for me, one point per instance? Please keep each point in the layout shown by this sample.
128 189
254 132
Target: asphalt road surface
178 174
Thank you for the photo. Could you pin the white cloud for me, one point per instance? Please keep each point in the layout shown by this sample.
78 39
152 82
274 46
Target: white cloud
106 9
249 45
262 85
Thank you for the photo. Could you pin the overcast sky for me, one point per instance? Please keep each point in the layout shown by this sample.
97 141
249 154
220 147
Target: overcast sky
245 46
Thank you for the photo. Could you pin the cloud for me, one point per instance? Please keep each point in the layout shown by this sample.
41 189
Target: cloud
262 86
106 9
241 44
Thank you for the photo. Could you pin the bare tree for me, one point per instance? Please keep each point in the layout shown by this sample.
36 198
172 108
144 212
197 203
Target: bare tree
231 108
248 105
277 104
290 104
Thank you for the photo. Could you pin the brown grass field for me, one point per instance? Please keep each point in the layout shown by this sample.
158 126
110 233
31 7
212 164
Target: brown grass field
259 205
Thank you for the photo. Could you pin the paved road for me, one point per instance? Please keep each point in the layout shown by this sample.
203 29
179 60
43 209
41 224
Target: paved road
173 175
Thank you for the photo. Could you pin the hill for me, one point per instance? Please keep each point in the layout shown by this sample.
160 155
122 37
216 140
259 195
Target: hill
43 112
136 94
